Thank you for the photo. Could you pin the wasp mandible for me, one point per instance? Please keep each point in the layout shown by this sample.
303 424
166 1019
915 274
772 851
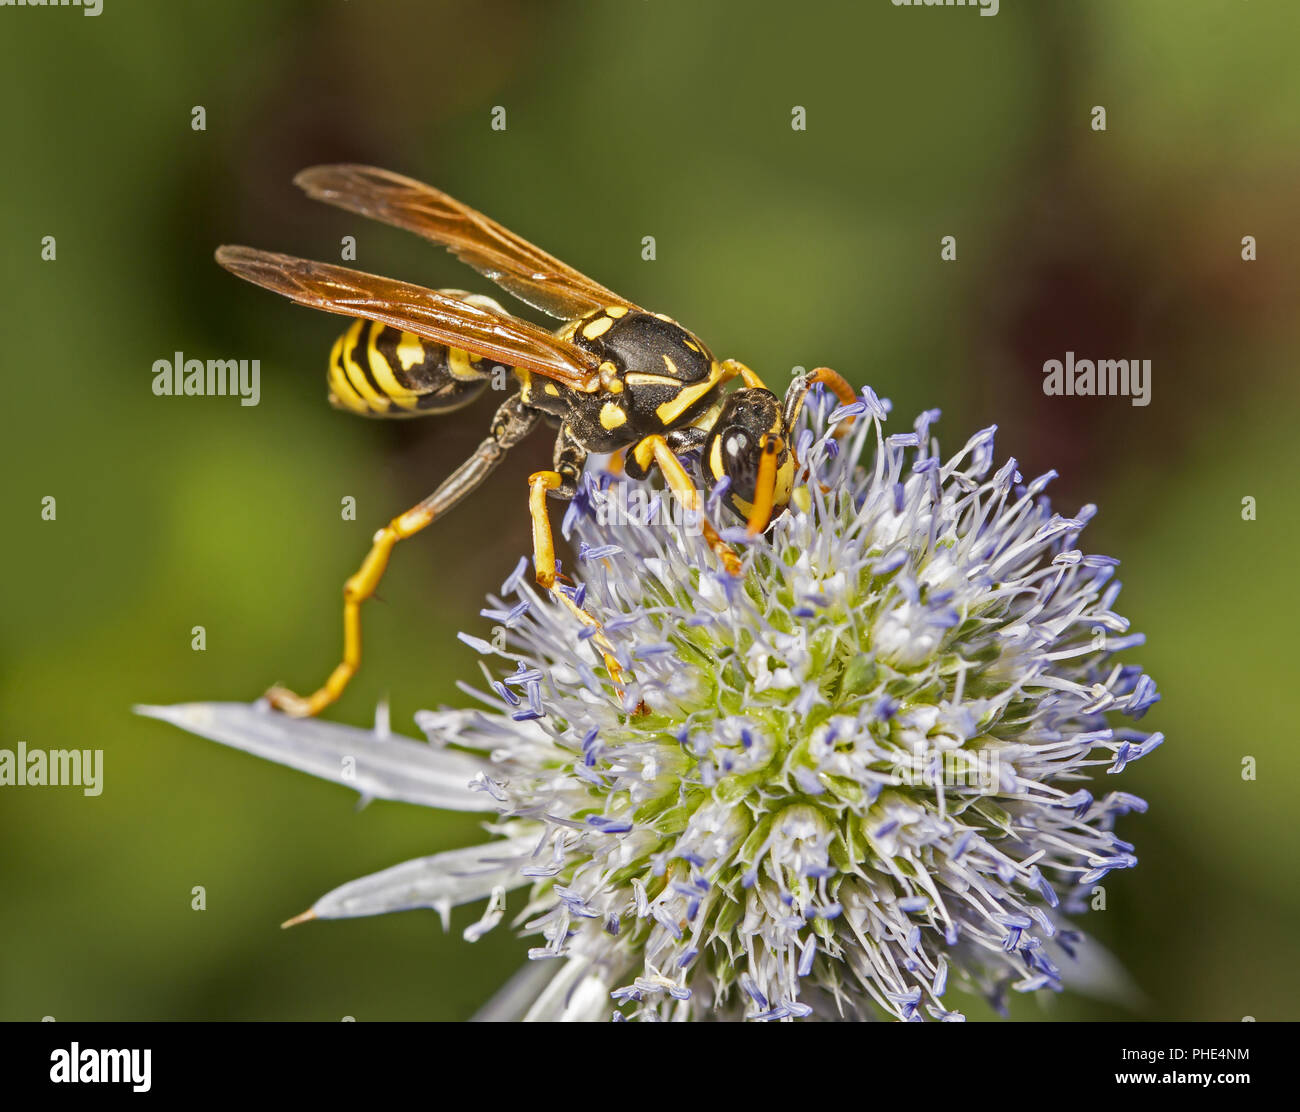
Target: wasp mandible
612 378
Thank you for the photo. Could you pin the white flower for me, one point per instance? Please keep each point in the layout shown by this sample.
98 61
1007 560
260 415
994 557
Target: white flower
840 785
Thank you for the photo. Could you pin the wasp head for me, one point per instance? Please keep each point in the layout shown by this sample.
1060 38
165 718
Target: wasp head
749 446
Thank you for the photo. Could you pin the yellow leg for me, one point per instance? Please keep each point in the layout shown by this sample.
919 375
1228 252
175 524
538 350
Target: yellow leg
679 482
510 425
732 368
355 591
543 541
544 564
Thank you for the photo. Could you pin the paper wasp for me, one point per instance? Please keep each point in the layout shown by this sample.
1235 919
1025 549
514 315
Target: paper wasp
614 377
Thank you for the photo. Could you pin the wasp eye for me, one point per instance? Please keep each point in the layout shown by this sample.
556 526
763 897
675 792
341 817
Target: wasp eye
740 460
735 445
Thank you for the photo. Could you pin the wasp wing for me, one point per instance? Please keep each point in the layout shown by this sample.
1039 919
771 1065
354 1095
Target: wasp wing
514 264
428 313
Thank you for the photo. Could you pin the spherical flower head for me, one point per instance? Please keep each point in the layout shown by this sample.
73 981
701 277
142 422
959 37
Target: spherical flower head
838 782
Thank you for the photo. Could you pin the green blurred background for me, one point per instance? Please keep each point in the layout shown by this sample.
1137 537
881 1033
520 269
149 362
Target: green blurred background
626 118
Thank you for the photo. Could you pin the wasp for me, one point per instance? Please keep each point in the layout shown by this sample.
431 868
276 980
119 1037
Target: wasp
613 378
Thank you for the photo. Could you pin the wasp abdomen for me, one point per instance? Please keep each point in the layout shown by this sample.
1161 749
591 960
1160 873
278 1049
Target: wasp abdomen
378 371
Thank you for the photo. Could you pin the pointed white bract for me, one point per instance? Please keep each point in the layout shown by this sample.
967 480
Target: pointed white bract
376 765
441 882
847 783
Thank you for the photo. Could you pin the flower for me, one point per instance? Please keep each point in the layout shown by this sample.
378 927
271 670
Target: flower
841 784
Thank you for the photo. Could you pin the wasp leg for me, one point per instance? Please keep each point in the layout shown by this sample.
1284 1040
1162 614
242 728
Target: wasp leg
562 483
681 441
655 449
731 368
510 425
541 483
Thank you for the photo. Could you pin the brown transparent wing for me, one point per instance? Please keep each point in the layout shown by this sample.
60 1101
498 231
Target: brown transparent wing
435 316
514 264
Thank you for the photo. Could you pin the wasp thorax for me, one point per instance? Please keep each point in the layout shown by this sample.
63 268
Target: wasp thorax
660 375
749 430
645 344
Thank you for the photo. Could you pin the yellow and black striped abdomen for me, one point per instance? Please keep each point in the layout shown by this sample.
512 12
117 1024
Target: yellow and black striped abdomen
378 371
